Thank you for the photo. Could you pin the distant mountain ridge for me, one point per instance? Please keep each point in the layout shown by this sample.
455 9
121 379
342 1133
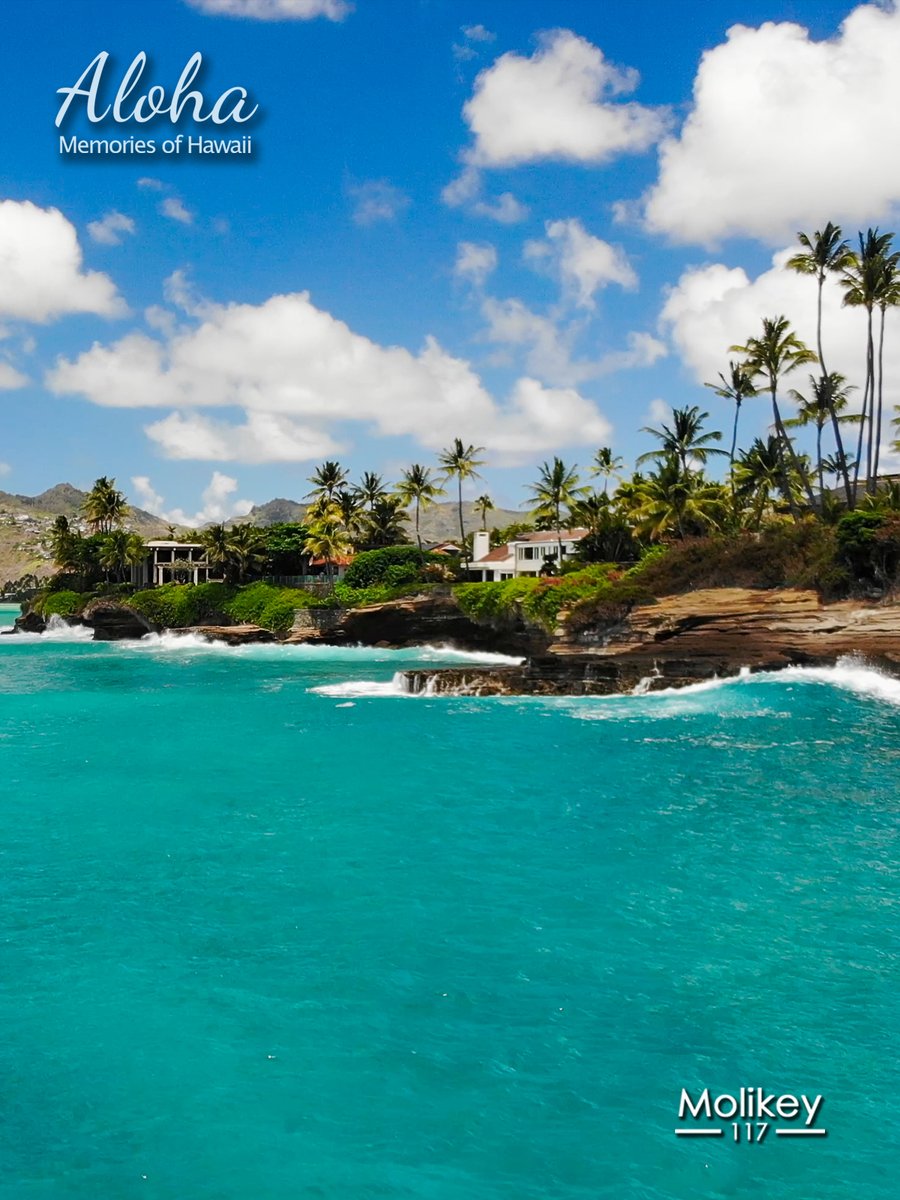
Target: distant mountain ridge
438 522
64 500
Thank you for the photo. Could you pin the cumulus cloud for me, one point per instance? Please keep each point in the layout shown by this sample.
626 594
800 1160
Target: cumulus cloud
297 372
466 192
148 183
782 125
475 261
262 438
548 345
10 378
5 468
564 103
174 208
217 500
274 10
110 228
472 33
582 262
377 200
42 275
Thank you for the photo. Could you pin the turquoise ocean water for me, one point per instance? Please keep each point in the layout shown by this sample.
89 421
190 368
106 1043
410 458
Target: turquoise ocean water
262 941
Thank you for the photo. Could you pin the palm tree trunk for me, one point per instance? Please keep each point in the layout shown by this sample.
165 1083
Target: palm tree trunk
737 413
819 323
418 535
870 362
859 441
839 442
558 541
462 532
819 460
879 409
784 443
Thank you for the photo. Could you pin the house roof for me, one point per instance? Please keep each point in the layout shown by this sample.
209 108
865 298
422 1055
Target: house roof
170 545
500 554
339 560
552 535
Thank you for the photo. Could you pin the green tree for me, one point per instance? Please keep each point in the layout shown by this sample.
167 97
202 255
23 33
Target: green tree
418 487
328 541
104 506
120 550
674 499
737 387
557 486
769 358
461 462
607 465
828 398
384 523
215 540
685 438
327 479
758 477
246 551
370 490
484 504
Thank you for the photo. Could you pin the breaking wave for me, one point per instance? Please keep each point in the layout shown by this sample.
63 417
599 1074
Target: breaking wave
58 630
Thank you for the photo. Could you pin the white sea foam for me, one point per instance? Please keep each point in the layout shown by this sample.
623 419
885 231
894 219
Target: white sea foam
58 630
363 688
444 653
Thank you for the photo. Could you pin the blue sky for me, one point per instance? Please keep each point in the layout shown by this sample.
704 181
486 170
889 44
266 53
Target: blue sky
535 225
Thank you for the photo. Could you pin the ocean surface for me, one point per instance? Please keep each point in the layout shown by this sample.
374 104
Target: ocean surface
272 929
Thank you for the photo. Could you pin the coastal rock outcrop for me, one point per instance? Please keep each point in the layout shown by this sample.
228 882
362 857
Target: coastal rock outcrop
112 621
231 635
690 638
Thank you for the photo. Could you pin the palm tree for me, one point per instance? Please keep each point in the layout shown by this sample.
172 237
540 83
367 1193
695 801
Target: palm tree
675 498
758 476
607 465
867 279
829 396
484 504
121 550
557 485
327 479
104 506
215 539
347 509
417 486
370 489
461 462
888 297
246 549
384 523
823 252
770 357
685 439
737 387
326 540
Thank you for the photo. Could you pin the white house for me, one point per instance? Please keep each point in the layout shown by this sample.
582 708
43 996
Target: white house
525 555
173 562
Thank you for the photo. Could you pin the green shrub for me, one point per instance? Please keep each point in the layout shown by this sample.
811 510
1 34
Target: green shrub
374 566
61 604
536 600
173 605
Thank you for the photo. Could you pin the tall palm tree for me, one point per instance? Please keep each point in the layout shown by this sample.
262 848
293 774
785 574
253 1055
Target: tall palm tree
484 504
327 479
827 400
607 465
104 506
685 439
461 462
888 297
758 476
417 486
557 486
215 539
348 510
370 489
769 358
867 277
737 387
384 523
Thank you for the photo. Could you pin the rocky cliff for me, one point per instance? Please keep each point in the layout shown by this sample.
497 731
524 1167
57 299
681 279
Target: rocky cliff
688 638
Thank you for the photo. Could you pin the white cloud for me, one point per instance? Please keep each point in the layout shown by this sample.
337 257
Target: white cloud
377 200
42 275
785 133
561 103
110 228
216 499
274 10
475 261
545 418
582 262
297 373
549 346
174 208
5 468
478 33
150 184
10 378
262 438
466 192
